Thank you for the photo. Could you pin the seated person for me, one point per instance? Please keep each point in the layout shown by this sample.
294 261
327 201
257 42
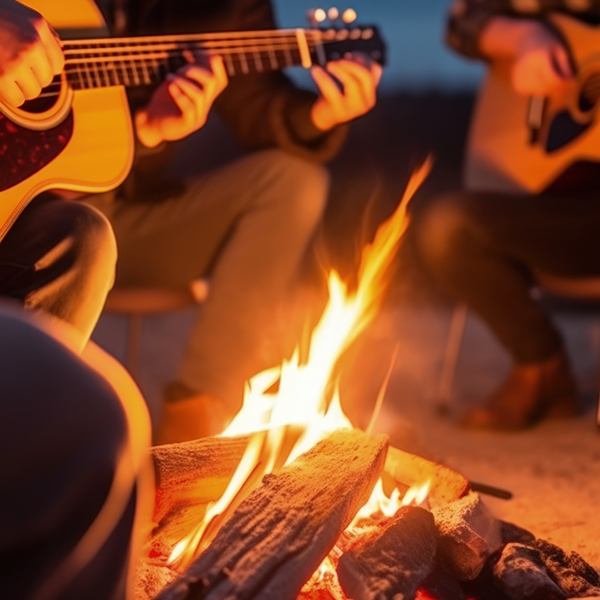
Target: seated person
77 482
485 247
59 256
245 226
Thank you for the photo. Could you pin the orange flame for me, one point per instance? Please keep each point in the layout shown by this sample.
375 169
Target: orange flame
306 407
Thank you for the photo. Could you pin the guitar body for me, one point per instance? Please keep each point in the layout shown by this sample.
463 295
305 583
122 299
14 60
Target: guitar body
505 153
89 150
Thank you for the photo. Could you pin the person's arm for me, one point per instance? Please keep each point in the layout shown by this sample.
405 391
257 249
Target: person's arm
497 31
30 53
268 110
180 105
540 61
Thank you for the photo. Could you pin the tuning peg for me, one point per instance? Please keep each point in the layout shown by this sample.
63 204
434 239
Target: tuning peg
349 16
333 13
316 16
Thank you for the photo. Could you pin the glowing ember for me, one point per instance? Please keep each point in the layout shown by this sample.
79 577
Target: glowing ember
306 407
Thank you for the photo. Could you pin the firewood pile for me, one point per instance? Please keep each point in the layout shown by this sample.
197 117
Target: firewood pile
274 545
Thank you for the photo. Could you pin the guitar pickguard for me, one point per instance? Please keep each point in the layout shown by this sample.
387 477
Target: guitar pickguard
24 152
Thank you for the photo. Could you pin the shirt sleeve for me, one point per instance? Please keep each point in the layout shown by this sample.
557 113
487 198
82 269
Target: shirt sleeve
467 18
267 109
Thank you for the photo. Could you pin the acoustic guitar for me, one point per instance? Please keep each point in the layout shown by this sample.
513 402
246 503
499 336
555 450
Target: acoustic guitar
521 145
78 134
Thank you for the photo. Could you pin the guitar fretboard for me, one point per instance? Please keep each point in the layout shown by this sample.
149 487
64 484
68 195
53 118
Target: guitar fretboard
147 60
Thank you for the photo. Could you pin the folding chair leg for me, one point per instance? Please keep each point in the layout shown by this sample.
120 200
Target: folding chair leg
134 343
450 360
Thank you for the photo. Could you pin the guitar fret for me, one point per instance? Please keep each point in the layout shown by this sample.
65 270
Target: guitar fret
124 74
74 77
105 73
303 49
289 61
229 64
134 70
145 72
258 61
88 76
273 58
244 62
320 52
96 73
155 68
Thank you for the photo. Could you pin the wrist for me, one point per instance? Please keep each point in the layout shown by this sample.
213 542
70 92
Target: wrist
508 37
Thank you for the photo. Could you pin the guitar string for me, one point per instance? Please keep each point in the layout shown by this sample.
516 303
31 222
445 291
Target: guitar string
184 43
177 52
91 45
292 43
272 41
136 60
240 35
104 72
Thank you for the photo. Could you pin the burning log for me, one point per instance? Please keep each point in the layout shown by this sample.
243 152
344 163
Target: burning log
520 572
394 561
446 485
468 535
282 532
188 477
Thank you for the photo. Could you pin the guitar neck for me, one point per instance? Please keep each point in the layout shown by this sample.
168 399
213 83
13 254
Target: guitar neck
135 61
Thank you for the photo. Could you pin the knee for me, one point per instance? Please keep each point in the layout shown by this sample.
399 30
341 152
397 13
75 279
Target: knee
438 229
93 240
303 187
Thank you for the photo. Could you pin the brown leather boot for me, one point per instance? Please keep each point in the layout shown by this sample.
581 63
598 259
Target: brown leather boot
530 393
189 417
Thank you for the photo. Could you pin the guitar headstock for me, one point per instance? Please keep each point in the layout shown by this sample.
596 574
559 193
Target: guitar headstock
340 36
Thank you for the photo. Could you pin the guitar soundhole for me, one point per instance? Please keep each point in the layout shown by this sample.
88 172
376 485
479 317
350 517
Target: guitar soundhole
46 100
590 93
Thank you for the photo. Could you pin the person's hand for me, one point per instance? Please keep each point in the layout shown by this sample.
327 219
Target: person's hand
180 105
30 53
359 78
541 64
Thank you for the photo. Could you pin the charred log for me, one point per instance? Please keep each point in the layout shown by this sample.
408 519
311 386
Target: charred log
572 574
394 561
520 572
511 533
440 585
282 532
468 535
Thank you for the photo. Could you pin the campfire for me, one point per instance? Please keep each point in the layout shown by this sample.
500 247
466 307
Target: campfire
292 502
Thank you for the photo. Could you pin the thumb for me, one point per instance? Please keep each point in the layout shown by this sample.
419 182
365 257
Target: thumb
561 61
